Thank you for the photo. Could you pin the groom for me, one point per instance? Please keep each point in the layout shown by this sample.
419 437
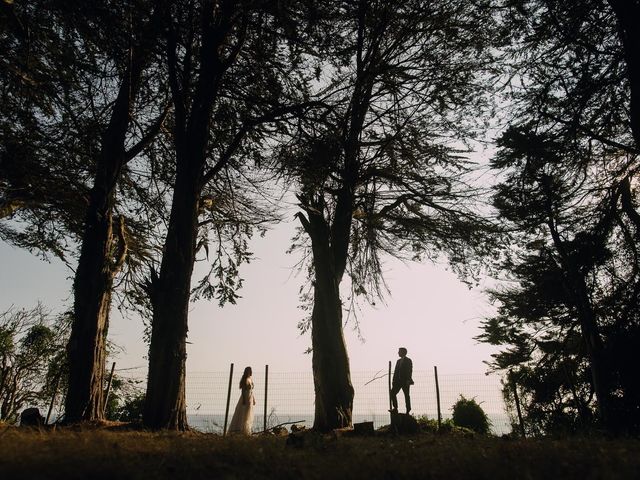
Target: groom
402 380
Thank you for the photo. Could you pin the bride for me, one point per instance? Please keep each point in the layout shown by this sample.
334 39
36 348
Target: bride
242 419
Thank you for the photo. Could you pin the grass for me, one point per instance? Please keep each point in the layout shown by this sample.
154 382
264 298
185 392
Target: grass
106 454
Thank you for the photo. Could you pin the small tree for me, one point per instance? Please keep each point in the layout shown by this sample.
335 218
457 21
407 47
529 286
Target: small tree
30 344
469 414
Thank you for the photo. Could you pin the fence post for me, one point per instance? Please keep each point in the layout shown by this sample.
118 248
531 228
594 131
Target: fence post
517 400
389 381
106 395
226 411
53 398
266 389
435 371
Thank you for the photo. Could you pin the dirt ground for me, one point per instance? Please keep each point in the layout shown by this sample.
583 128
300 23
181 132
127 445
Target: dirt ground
101 453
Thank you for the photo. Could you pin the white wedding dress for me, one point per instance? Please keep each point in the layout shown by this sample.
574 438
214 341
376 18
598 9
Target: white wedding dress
242 419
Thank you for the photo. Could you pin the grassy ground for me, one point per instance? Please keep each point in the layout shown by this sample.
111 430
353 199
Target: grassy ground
103 453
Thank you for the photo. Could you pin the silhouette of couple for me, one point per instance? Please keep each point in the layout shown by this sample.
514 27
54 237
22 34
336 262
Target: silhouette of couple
242 419
402 380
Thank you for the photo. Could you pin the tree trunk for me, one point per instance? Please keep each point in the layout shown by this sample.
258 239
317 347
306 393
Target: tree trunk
331 373
595 350
92 297
577 291
165 405
94 277
96 267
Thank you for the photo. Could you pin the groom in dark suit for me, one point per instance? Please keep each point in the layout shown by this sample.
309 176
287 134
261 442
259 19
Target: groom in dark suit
402 380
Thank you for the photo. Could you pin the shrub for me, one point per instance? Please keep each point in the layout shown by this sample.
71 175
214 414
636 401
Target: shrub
428 425
431 424
131 410
469 414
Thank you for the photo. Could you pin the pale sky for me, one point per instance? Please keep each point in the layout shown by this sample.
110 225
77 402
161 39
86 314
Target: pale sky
430 312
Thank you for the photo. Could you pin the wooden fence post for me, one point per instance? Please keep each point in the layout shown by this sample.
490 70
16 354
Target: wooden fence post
389 381
266 389
106 395
435 372
517 400
226 411
53 398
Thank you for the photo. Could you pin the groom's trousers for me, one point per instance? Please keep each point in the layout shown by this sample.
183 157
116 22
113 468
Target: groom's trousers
394 399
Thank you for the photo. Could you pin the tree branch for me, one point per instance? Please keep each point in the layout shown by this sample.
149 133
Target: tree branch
148 138
248 126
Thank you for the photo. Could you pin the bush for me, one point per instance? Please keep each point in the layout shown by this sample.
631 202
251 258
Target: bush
431 424
131 410
469 414
428 425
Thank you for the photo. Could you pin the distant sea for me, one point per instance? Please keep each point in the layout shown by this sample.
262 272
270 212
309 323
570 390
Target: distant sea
213 423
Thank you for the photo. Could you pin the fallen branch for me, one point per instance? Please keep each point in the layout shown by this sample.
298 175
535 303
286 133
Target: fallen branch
279 425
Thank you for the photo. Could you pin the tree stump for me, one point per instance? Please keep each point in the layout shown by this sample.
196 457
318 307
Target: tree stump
363 428
403 424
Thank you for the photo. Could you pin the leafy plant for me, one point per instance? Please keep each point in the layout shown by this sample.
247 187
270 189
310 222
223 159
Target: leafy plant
132 408
126 400
469 414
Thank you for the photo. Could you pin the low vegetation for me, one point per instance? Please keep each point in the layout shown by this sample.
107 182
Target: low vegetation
469 414
107 453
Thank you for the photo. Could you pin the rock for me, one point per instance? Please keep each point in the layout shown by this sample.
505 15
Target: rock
363 428
30 417
403 424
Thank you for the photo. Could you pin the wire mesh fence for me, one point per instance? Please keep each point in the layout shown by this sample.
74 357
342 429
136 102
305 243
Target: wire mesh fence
290 397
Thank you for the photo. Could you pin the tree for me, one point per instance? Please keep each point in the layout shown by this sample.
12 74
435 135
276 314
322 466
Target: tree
74 74
30 343
104 245
381 172
572 297
231 74
572 158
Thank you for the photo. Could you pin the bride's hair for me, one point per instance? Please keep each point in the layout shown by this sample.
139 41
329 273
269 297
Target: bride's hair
247 373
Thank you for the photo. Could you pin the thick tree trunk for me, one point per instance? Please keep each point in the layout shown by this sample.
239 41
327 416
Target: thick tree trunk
94 277
165 405
576 288
331 373
96 267
92 298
